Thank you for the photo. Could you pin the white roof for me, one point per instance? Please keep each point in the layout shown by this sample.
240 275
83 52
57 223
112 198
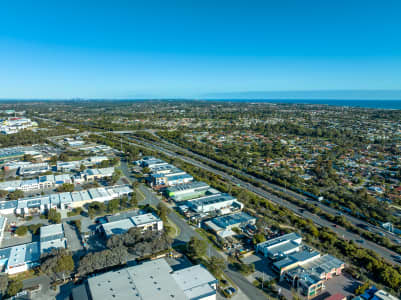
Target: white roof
195 281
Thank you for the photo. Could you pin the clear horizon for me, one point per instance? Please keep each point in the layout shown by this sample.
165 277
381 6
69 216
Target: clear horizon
181 49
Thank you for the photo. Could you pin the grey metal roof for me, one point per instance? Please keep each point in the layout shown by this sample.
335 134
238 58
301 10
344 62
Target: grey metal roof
212 199
148 281
233 219
187 186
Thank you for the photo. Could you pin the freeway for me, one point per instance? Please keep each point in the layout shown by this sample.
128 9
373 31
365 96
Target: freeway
341 232
354 220
187 231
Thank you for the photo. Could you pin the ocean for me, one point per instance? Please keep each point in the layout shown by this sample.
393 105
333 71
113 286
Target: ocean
377 104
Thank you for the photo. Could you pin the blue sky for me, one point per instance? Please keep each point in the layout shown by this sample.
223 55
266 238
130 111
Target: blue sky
123 49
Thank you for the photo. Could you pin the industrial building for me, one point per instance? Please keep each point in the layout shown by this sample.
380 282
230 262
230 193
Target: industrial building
150 162
214 203
21 258
92 174
311 272
170 179
15 124
229 222
187 191
154 280
146 221
280 247
40 204
41 182
68 166
52 237
33 169
54 181
294 260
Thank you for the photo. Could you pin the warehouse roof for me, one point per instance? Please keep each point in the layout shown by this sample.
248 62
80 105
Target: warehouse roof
187 186
147 281
233 219
211 199
195 281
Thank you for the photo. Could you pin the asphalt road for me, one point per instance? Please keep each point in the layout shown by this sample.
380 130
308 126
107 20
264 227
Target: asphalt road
328 209
341 232
186 232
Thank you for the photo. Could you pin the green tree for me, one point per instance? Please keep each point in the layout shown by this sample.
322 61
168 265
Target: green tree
14 287
66 187
162 212
16 195
197 247
258 238
216 265
54 216
133 201
21 230
113 205
3 284
34 228
3 193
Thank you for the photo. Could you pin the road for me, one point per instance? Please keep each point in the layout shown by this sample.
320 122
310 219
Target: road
187 231
326 208
341 232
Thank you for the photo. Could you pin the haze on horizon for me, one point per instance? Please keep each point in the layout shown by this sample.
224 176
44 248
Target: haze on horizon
208 49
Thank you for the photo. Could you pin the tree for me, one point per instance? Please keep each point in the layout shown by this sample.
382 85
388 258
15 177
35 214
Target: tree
34 228
16 195
14 287
54 216
216 265
133 201
197 247
27 157
113 205
77 224
3 193
82 167
3 283
162 212
56 263
21 231
258 238
66 187
146 170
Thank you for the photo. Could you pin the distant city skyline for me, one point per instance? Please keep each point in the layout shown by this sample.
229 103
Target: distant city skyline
208 49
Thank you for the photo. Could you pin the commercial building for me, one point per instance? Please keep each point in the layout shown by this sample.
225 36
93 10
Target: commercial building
170 179
214 203
12 152
305 283
150 162
280 247
92 174
42 182
294 260
21 258
229 222
68 166
40 204
52 237
154 280
147 221
307 272
33 169
187 191
14 125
